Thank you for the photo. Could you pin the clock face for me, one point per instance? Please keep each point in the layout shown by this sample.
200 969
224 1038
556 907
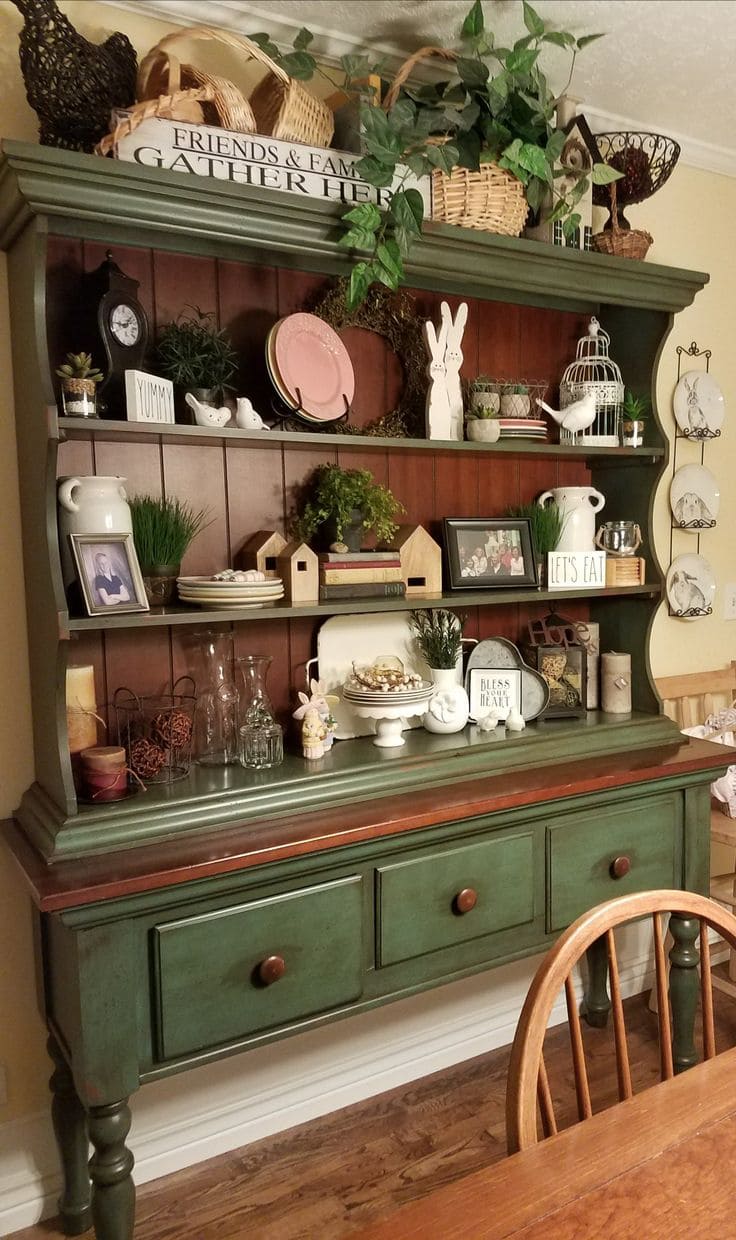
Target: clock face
124 325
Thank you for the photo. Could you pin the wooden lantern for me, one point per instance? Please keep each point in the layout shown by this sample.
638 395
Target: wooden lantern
298 567
262 551
421 561
554 649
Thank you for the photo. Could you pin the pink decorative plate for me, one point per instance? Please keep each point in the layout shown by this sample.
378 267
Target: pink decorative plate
313 364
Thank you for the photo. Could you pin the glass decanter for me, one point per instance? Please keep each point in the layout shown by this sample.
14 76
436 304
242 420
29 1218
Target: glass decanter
216 715
261 737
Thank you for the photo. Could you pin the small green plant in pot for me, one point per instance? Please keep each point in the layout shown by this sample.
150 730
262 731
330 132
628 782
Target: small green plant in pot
343 505
515 402
197 356
481 420
635 412
79 379
438 635
546 525
162 531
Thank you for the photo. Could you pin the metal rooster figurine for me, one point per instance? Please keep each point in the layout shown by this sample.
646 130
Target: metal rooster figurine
72 84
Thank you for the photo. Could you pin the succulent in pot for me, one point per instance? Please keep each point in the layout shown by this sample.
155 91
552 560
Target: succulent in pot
79 379
345 504
515 402
481 421
636 410
163 528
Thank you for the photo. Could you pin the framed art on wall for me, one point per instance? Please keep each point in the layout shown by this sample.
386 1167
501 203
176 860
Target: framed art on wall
489 552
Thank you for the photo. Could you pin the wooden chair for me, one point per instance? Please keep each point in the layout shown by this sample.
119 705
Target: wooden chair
689 700
527 1079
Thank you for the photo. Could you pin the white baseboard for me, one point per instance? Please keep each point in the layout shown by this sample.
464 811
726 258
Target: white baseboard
236 1101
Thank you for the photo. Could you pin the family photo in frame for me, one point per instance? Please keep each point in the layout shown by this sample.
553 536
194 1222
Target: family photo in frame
484 552
109 573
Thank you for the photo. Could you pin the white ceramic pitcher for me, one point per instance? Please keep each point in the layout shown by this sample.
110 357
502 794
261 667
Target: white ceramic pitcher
578 506
90 505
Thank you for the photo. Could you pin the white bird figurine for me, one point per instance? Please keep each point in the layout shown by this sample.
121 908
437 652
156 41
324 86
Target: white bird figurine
576 417
207 415
489 722
247 418
515 721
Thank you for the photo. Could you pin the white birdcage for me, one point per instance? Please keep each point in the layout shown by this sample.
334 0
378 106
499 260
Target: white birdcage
593 370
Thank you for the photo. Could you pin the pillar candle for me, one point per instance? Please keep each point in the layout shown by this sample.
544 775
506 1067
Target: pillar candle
81 708
616 683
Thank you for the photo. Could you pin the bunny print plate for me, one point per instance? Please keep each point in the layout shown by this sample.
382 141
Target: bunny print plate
699 405
691 587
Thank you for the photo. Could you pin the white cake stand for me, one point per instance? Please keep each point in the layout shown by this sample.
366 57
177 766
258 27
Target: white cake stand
388 719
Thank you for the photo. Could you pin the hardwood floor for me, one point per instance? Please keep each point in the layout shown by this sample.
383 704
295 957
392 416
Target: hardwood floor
324 1179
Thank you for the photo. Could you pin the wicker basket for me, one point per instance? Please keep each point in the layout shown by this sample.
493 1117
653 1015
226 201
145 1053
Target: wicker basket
279 107
490 199
160 73
621 242
183 105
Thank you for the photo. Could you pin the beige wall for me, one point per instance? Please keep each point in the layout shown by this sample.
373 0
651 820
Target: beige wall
691 219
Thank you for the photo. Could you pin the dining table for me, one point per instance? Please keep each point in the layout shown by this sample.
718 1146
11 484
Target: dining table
658 1166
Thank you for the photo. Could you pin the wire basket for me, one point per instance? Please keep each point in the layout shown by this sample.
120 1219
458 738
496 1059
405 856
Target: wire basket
156 731
621 242
646 161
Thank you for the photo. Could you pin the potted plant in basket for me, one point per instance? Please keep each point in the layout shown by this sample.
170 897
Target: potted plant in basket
345 504
439 635
79 379
515 402
636 410
163 528
197 356
493 117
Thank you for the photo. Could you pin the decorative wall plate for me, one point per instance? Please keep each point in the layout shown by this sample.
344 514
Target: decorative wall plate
691 587
314 364
699 405
694 498
497 652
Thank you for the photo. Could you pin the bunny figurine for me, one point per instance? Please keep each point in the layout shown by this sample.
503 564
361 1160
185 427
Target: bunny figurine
453 362
438 423
322 702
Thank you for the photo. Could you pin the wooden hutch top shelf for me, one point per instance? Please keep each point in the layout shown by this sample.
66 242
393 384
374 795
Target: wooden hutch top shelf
124 203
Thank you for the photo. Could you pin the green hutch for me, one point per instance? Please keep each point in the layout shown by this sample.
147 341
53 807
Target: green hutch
233 908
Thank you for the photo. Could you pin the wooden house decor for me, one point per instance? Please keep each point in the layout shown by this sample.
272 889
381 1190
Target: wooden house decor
421 560
578 155
261 551
298 567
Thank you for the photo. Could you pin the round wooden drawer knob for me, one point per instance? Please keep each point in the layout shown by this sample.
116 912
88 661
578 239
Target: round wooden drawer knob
271 969
619 867
465 900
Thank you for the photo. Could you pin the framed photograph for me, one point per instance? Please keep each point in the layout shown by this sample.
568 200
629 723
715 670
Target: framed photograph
109 574
485 552
496 689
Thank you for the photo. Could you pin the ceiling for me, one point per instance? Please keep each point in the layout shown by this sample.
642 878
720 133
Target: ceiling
665 65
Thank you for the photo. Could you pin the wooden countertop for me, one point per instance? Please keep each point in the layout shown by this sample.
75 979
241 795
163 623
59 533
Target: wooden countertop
201 855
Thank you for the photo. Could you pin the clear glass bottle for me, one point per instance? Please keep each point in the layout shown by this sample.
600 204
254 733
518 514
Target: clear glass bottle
216 715
261 736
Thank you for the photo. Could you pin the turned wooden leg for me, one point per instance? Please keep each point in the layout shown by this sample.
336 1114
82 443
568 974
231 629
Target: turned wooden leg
113 1191
597 1004
684 989
70 1126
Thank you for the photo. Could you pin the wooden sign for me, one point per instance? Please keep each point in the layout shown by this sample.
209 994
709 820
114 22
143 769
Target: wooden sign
576 570
496 690
148 398
249 159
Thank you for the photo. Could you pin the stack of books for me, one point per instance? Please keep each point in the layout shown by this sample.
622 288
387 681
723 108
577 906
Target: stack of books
360 574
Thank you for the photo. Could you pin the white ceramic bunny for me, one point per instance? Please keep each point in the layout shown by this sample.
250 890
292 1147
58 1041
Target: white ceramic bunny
453 362
437 423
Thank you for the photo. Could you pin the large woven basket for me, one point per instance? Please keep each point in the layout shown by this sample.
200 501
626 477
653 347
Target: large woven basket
621 242
491 199
279 107
161 73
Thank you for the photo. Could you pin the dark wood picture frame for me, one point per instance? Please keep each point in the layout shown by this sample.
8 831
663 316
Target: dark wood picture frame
488 553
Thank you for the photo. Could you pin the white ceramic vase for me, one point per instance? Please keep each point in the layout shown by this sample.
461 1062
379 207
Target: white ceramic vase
578 506
90 505
448 706
483 430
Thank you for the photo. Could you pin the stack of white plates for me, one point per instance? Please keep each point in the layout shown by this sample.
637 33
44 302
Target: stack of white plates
396 697
523 428
206 592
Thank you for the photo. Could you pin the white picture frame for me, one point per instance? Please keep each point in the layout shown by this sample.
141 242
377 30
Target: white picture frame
496 689
148 398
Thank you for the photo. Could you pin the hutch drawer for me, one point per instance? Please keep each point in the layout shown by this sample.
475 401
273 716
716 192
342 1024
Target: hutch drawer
595 855
225 974
447 897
